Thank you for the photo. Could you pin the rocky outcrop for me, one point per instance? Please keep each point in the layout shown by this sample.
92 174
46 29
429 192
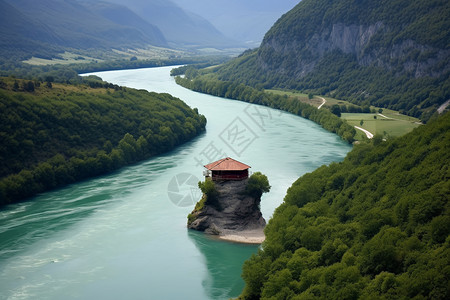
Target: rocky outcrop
234 213
405 56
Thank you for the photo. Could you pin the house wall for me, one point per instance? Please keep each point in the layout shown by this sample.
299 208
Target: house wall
229 175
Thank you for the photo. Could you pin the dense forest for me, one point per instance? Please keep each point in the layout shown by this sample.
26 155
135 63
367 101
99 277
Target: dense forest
392 54
53 134
375 226
232 90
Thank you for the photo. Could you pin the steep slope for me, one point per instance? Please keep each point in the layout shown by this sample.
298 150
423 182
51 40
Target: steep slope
389 53
68 24
122 15
231 211
379 33
375 226
20 35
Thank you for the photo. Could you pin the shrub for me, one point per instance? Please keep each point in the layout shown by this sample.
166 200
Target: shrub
257 185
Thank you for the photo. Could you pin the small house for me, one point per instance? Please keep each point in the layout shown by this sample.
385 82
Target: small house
226 169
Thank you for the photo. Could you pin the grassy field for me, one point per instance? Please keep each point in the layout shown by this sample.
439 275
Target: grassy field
389 123
66 58
300 96
315 101
392 125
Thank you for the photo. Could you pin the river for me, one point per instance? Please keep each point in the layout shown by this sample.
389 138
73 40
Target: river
124 236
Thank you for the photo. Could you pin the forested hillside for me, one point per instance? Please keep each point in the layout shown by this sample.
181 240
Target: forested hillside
393 54
375 226
53 134
47 27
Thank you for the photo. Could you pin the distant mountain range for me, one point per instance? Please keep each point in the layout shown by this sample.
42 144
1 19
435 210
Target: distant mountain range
45 27
246 21
179 26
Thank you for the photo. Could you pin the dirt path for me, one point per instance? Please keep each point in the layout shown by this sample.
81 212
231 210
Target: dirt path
443 107
323 102
368 133
381 115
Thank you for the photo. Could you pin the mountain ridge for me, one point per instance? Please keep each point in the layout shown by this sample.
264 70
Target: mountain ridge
393 54
179 26
47 28
371 36
122 15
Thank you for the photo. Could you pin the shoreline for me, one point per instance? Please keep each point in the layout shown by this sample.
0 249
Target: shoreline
244 237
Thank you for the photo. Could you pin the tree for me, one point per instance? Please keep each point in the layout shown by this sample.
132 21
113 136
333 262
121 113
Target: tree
28 86
257 185
336 109
361 122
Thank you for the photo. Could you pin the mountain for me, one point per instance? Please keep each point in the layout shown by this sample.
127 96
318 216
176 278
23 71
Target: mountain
122 15
21 35
59 24
393 54
180 27
245 21
379 33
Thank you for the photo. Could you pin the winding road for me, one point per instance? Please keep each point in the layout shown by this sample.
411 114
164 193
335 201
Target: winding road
368 133
323 102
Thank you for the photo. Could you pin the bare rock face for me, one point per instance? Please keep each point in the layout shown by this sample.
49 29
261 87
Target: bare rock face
233 212
351 39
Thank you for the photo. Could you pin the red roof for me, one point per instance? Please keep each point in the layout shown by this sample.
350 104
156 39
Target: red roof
227 164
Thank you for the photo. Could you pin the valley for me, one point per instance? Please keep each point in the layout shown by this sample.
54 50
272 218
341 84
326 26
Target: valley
110 109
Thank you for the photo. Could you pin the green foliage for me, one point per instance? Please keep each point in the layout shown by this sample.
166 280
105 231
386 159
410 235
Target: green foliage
336 109
375 226
211 195
257 185
209 189
50 137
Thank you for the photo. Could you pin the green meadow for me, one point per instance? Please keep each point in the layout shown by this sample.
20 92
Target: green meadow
388 123
392 124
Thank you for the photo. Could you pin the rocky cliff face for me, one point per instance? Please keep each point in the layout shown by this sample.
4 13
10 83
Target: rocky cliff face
234 211
405 56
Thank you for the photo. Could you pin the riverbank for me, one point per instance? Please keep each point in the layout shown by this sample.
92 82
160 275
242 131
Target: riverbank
245 237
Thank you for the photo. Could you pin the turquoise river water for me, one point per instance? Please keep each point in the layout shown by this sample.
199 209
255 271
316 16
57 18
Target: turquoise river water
124 236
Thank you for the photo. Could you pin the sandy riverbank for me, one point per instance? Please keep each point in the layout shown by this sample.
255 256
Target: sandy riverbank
246 237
